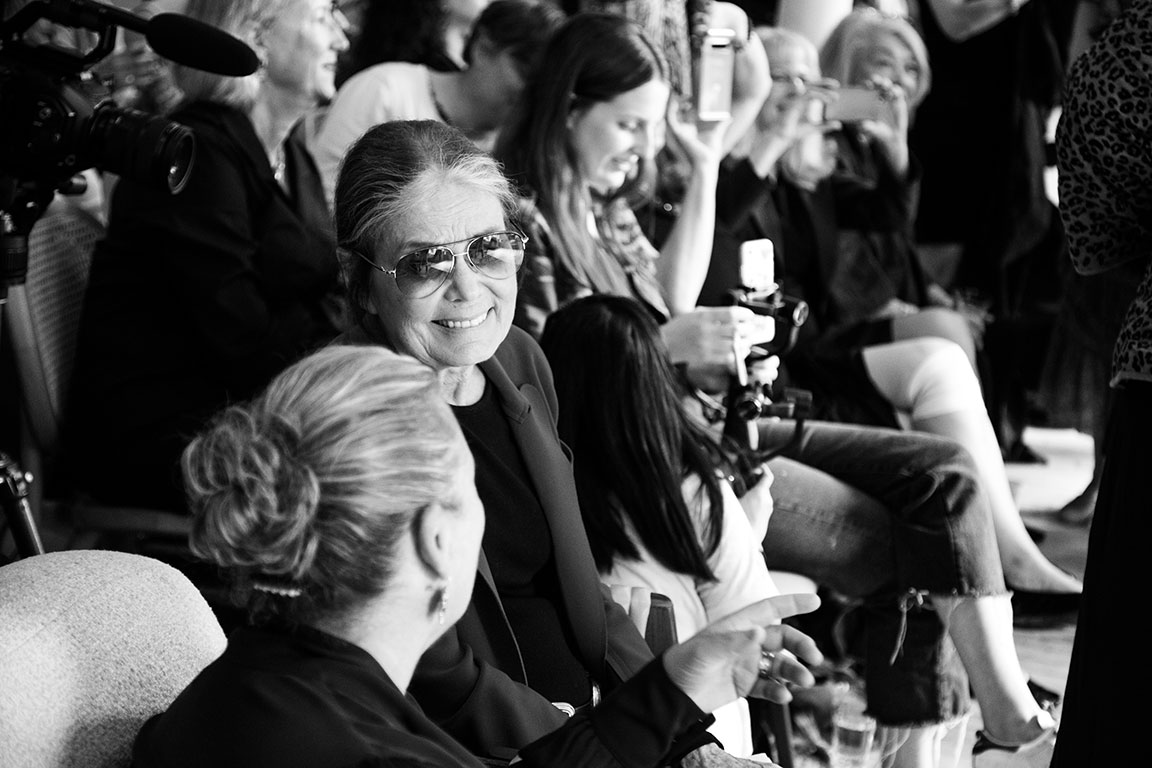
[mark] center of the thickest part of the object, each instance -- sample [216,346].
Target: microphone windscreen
[198,45]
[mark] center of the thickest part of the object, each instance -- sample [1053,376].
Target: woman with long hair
[658,507]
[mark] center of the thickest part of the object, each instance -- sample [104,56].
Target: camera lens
[749,404]
[142,147]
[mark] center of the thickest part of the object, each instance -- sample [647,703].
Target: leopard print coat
[1104,157]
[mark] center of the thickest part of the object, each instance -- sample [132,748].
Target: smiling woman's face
[463,321]
[610,138]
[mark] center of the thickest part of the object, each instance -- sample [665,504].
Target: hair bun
[254,495]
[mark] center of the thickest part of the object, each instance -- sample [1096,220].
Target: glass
[853,733]
[497,255]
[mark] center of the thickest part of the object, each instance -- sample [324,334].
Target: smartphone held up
[855,104]
[715,72]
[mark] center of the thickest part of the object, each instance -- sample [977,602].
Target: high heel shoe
[1037,753]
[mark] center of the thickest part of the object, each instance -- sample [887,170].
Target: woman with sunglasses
[423,218]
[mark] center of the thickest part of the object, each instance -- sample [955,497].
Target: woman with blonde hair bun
[342,501]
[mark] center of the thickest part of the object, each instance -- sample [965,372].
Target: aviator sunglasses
[497,255]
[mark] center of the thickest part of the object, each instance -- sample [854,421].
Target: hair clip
[276,589]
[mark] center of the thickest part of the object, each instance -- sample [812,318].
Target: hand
[891,132]
[785,120]
[894,308]
[721,663]
[708,339]
[699,143]
[757,504]
[766,371]
[636,602]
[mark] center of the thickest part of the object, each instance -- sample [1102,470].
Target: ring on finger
[767,662]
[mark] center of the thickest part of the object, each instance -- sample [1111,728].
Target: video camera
[57,118]
[746,400]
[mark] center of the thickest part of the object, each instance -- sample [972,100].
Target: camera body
[715,73]
[57,119]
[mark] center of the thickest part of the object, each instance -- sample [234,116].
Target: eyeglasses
[418,274]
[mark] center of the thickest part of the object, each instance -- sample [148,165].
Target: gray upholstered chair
[92,643]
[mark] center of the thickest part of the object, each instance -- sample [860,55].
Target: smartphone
[854,104]
[757,267]
[716,68]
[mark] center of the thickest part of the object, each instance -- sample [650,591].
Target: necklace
[279,164]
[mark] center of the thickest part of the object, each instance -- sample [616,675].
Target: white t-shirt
[390,91]
[742,579]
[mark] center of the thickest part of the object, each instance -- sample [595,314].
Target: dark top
[472,681]
[803,227]
[194,301]
[305,699]
[519,548]
[980,134]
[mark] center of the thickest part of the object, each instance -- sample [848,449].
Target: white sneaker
[1033,754]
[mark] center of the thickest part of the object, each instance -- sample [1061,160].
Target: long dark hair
[634,444]
[592,58]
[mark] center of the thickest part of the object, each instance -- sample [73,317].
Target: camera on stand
[748,400]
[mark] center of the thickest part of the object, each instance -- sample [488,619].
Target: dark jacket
[306,699]
[473,681]
[194,301]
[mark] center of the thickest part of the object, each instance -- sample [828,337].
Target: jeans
[890,517]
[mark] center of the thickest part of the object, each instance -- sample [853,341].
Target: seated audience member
[870,380]
[501,51]
[574,152]
[424,218]
[660,513]
[343,502]
[197,299]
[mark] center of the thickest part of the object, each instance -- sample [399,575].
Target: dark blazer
[194,301]
[305,699]
[473,680]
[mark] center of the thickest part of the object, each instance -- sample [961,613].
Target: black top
[518,544]
[195,301]
[306,699]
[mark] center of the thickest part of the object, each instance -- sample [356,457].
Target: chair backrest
[92,643]
[43,314]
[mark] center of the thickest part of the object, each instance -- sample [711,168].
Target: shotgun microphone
[198,45]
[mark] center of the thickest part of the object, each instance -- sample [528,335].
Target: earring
[442,610]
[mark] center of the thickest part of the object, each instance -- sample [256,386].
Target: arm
[962,19]
[683,262]
[741,576]
[638,724]
[751,79]
[481,706]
